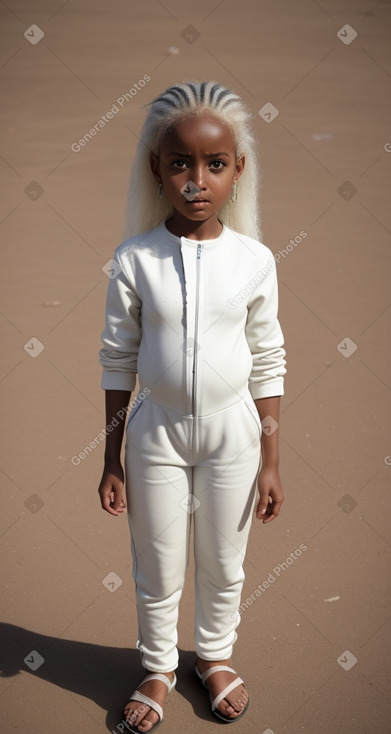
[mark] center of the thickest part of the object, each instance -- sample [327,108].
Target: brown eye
[217,165]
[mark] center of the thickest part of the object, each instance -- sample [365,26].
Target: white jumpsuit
[197,321]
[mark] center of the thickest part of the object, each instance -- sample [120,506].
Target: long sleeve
[122,333]
[265,338]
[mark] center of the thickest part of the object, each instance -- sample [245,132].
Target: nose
[198,175]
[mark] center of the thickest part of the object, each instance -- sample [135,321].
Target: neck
[209,229]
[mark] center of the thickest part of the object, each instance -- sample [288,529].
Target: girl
[192,310]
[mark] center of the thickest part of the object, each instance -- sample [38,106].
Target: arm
[111,489]
[266,384]
[269,484]
[122,333]
[118,358]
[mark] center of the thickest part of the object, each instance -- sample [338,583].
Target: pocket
[252,409]
[133,413]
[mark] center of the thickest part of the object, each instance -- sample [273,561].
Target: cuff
[267,389]
[118,380]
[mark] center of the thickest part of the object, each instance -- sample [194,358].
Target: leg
[159,529]
[225,485]
[160,532]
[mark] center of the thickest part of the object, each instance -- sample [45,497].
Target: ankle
[170,674]
[204,665]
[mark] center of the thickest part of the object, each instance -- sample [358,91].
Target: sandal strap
[225,692]
[141,698]
[164,678]
[137,696]
[214,669]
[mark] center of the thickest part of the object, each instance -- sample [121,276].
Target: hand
[111,490]
[271,495]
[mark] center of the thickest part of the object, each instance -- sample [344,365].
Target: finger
[118,503]
[273,513]
[262,508]
[106,506]
[106,502]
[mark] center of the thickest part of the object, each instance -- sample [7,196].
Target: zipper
[195,346]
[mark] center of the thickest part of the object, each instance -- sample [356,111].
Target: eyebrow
[208,155]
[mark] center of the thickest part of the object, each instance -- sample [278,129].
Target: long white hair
[144,209]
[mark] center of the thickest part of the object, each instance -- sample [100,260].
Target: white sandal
[204,677]
[140,697]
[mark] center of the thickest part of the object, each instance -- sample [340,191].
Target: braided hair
[144,210]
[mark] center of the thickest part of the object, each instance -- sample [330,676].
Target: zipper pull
[198,252]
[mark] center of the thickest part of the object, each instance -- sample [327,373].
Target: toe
[145,725]
[130,712]
[135,713]
[226,708]
[233,708]
[230,711]
[148,721]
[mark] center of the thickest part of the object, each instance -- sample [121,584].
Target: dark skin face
[200,150]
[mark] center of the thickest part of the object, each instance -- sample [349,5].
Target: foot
[236,701]
[139,714]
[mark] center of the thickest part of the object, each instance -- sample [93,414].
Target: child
[192,310]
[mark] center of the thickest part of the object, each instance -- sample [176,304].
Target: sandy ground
[313,647]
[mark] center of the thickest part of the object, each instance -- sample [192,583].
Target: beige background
[326,162]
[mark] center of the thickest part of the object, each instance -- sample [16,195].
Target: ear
[239,168]
[155,167]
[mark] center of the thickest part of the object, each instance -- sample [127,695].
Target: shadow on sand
[106,675]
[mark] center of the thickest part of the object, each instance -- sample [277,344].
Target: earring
[160,191]
[234,193]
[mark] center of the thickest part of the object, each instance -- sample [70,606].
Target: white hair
[144,209]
